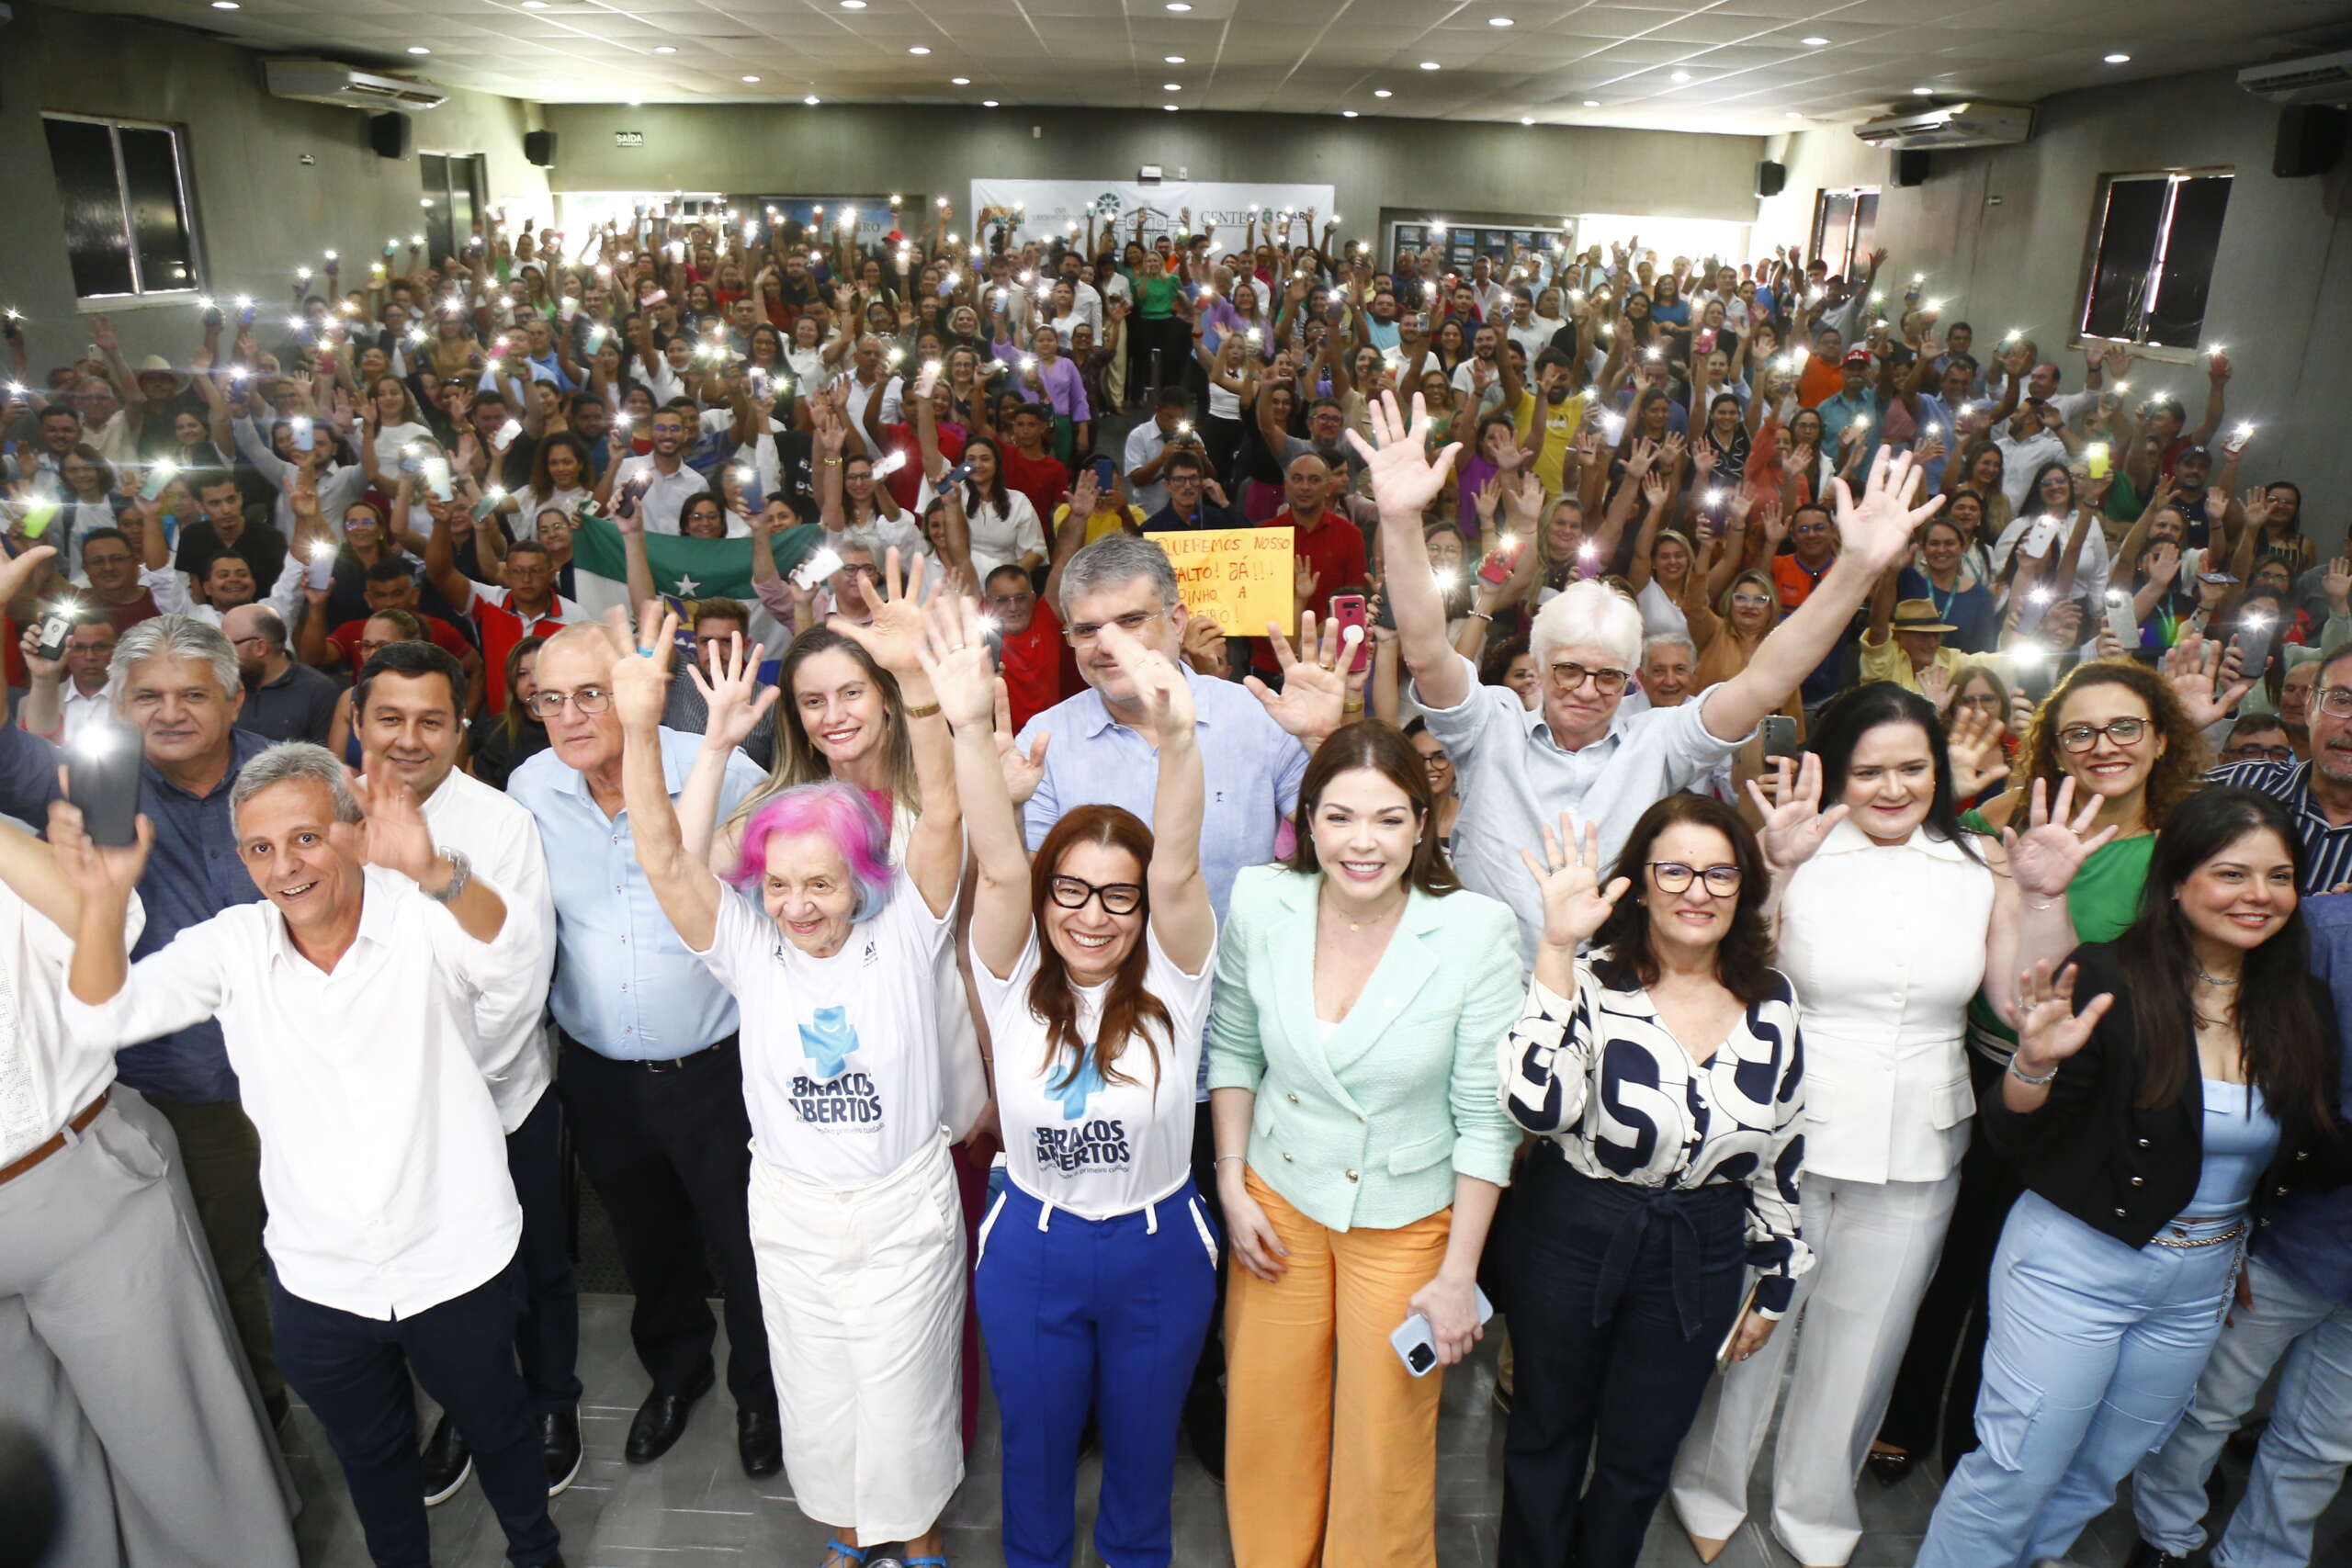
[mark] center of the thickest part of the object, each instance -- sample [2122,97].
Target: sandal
[926,1562]
[855,1555]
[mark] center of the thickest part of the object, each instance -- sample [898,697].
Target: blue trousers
[353,1372]
[2094,1350]
[1093,1315]
[2304,1450]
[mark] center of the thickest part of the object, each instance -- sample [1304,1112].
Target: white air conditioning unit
[1953,124]
[2314,79]
[326,82]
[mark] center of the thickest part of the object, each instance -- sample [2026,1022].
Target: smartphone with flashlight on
[305,433]
[102,781]
[436,480]
[2252,641]
[1348,609]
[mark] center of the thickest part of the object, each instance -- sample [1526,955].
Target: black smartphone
[55,627]
[102,781]
[1103,470]
[1780,733]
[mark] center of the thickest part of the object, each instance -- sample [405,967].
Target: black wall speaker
[538,147]
[1911,168]
[2311,139]
[1770,178]
[392,135]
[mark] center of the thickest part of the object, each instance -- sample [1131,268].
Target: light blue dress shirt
[1250,766]
[626,985]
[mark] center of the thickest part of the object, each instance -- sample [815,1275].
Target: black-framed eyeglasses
[2122,731]
[1118,897]
[1133,623]
[1568,675]
[1673,876]
[2250,752]
[588,700]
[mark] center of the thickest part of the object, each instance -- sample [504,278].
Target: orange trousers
[1318,1408]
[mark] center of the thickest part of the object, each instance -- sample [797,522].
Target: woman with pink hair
[834,957]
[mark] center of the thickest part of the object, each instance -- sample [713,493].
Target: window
[2154,264]
[456,193]
[1845,223]
[128,229]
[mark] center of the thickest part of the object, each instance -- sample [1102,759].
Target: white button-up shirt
[383,1161]
[1516,780]
[76,711]
[45,1075]
[502,839]
[666,495]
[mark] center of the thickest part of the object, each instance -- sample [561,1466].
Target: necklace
[2215,980]
[1380,919]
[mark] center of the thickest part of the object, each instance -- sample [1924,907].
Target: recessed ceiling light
[418,49]
[961,81]
[535,5]
[1682,77]
[751,78]
[1498,21]
[811,100]
[1923,92]
[664,48]
[1381,93]
[224,5]
[636,103]
[1169,107]
[1171,86]
[2119,60]
[1347,114]
[1428,64]
[1592,103]
[988,103]
[1178,5]
[853,5]
[1171,60]
[1813,42]
[919,49]
[1527,119]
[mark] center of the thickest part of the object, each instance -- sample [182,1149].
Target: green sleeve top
[2102,901]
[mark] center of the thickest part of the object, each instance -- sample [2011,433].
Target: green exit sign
[628,139]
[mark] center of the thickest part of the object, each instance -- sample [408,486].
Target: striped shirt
[1601,1075]
[2327,848]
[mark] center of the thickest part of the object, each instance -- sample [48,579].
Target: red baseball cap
[1856,356]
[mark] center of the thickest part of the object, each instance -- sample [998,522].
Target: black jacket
[2125,1170]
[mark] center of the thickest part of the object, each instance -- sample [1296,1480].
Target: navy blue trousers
[1104,1315]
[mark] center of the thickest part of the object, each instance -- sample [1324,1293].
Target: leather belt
[87,1115]
[667,1064]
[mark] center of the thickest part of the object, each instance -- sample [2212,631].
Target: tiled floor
[694,1508]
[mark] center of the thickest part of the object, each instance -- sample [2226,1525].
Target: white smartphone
[2120,621]
[820,566]
[1415,1341]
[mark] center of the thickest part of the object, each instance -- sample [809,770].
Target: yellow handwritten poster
[1239,578]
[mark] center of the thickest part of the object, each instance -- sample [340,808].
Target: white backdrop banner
[1054,204]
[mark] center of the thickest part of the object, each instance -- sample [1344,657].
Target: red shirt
[448,638]
[1333,549]
[1039,668]
[906,485]
[501,628]
[1043,480]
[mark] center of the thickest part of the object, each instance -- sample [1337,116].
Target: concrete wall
[2005,234]
[1465,171]
[260,210]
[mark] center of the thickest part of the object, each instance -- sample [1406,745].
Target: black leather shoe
[560,1448]
[2146,1556]
[447,1461]
[1889,1469]
[1205,1429]
[662,1419]
[760,1442]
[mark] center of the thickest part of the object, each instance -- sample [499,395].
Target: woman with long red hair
[1097,1266]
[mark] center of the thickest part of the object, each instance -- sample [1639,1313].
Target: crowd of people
[1775,844]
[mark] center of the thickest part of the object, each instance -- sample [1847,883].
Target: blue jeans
[2303,1453]
[2094,1351]
[1093,1315]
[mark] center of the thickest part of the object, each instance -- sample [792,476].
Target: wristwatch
[461,872]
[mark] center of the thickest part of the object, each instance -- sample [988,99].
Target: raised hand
[1021,772]
[1405,478]
[640,676]
[1575,903]
[2044,859]
[1878,528]
[897,629]
[1973,742]
[2048,1029]
[1204,645]
[393,833]
[96,870]
[1314,696]
[1796,825]
[732,692]
[2336,581]
[1166,696]
[2205,681]
[954,654]
[21,569]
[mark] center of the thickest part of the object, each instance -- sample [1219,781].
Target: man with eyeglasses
[2257,738]
[66,694]
[1813,540]
[650,1081]
[1579,751]
[661,478]
[1104,751]
[285,700]
[1194,498]
[2318,792]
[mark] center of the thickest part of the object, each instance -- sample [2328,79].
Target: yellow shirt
[1102,521]
[1562,424]
[1885,660]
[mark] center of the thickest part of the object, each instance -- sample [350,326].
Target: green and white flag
[686,570]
